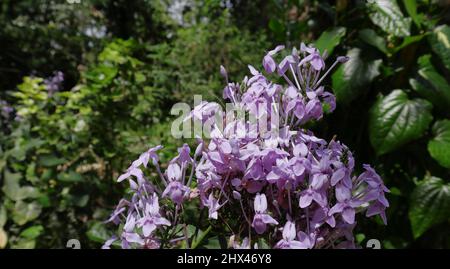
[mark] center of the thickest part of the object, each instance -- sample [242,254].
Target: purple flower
[309,195]
[346,206]
[132,171]
[268,62]
[289,236]
[176,191]
[213,205]
[184,156]
[244,245]
[108,243]
[152,218]
[146,156]
[307,179]
[261,219]
[284,64]
[377,208]
[129,236]
[54,83]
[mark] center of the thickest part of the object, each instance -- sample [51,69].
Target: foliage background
[126,62]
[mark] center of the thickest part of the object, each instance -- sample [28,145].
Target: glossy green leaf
[387,15]
[430,205]
[431,85]
[370,37]
[440,43]
[395,120]
[328,40]
[351,78]
[439,145]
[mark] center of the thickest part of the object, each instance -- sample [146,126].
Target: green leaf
[97,232]
[408,41]
[328,40]
[395,120]
[370,37]
[71,176]
[25,212]
[351,78]
[439,146]
[32,232]
[51,160]
[411,8]
[387,15]
[431,85]
[79,200]
[102,75]
[262,244]
[277,27]
[212,243]
[3,216]
[31,174]
[13,191]
[23,243]
[11,185]
[440,43]
[430,205]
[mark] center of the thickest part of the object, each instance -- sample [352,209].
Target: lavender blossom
[290,176]
[54,83]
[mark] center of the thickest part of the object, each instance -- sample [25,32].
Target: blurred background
[86,85]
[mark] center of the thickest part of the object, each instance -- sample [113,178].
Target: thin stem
[288,80]
[307,220]
[299,73]
[243,211]
[161,174]
[290,202]
[326,73]
[295,78]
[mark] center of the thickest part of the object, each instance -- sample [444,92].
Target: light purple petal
[289,232]
[305,200]
[348,214]
[269,64]
[260,203]
[267,219]
[337,176]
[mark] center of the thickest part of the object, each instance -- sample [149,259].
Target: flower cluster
[282,184]
[54,83]
[5,109]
